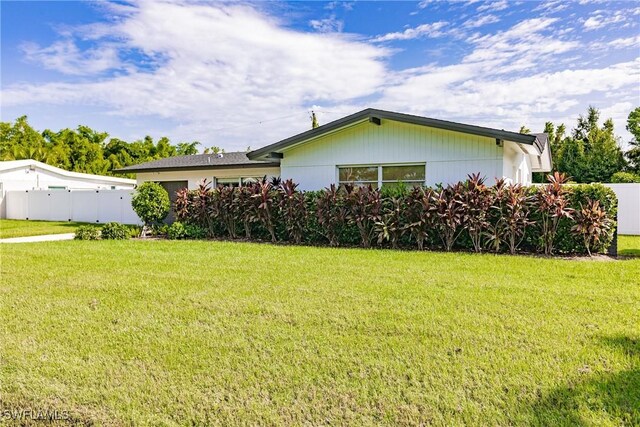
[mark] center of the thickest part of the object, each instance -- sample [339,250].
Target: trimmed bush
[467,216]
[151,203]
[625,178]
[115,231]
[87,232]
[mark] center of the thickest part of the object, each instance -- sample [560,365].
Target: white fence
[97,206]
[628,207]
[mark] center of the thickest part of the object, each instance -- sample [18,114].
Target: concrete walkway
[45,238]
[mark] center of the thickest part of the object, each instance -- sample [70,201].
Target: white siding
[449,156]
[516,165]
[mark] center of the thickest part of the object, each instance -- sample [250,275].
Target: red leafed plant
[266,200]
[553,205]
[363,209]
[225,207]
[391,226]
[449,208]
[420,214]
[293,210]
[591,223]
[476,198]
[331,213]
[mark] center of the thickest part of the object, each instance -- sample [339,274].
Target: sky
[247,74]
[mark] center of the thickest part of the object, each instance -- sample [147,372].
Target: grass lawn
[19,228]
[180,333]
[629,245]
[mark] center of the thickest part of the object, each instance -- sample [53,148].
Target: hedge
[554,218]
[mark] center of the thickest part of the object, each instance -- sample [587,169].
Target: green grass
[182,333]
[629,246]
[21,228]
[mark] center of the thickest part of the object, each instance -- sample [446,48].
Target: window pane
[231,182]
[403,173]
[364,173]
[250,180]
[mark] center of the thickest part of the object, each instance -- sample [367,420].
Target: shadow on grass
[615,397]
[629,252]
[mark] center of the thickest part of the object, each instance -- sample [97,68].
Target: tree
[187,148]
[633,126]
[151,203]
[524,129]
[591,153]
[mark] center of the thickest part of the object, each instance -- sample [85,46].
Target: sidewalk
[45,238]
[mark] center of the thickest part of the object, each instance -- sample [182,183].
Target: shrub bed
[551,218]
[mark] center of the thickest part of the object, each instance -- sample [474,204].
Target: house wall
[449,156]
[27,178]
[516,165]
[194,177]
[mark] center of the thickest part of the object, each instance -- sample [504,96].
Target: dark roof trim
[258,165]
[371,113]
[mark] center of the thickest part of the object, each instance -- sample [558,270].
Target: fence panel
[94,206]
[628,207]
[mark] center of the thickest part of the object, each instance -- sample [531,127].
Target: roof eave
[388,115]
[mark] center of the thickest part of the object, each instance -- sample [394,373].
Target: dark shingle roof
[377,115]
[200,161]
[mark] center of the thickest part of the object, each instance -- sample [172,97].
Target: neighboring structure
[369,147]
[21,175]
[628,207]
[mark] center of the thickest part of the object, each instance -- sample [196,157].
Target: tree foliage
[83,149]
[151,203]
[591,153]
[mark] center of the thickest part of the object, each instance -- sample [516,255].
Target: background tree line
[84,149]
[590,153]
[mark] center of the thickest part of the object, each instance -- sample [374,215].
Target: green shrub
[87,232]
[115,231]
[151,203]
[625,178]
[178,230]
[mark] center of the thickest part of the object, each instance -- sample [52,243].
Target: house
[369,147]
[21,175]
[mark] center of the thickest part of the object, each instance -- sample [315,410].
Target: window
[382,175]
[360,175]
[237,182]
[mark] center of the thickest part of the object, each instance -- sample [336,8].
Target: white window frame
[380,166]
[238,179]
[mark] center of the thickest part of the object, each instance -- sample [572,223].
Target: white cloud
[327,25]
[493,6]
[220,66]
[217,68]
[425,30]
[65,57]
[602,19]
[480,21]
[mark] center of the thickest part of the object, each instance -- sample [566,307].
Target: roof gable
[376,116]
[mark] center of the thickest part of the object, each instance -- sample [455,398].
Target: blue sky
[247,74]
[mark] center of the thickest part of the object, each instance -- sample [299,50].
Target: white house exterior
[369,147]
[22,175]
